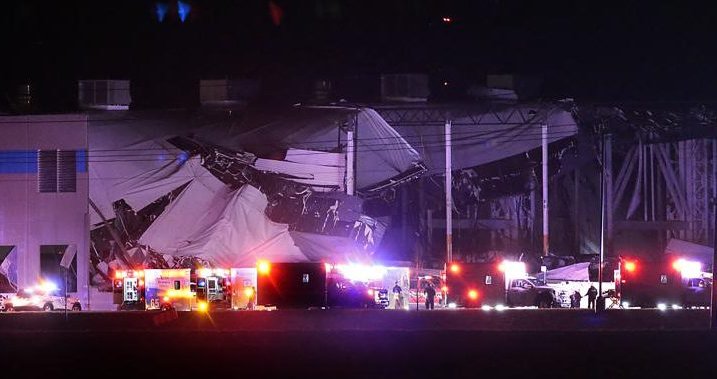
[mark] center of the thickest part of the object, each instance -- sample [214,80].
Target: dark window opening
[50,269]
[8,269]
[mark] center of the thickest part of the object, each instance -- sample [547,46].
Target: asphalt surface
[359,343]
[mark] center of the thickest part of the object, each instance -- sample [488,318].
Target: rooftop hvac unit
[404,87]
[104,94]
[224,91]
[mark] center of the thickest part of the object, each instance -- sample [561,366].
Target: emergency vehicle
[128,289]
[169,289]
[243,288]
[473,285]
[671,281]
[212,287]
[495,285]
[291,285]
[44,296]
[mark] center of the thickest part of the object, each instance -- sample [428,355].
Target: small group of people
[591,295]
[429,291]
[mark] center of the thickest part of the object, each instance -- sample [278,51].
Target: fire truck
[495,285]
[671,281]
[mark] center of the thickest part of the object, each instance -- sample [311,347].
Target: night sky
[588,50]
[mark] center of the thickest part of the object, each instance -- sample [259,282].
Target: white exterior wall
[28,218]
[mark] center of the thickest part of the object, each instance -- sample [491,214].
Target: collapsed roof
[222,213]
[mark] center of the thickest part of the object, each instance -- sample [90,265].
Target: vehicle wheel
[47,307]
[544,302]
[76,307]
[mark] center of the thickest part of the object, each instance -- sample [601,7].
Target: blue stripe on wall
[81,160]
[25,161]
[18,161]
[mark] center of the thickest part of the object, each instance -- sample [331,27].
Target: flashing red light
[141,283]
[473,294]
[455,268]
[119,275]
[630,266]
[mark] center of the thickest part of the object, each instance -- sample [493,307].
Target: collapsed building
[305,183]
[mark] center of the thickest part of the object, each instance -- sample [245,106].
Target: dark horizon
[595,51]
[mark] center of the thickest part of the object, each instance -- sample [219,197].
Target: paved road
[335,344]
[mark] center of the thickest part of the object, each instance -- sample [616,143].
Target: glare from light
[120,274]
[205,272]
[452,305]
[626,304]
[447,20]
[248,291]
[444,289]
[369,292]
[675,306]
[203,306]
[688,269]
[513,270]
[486,308]
[473,294]
[662,306]
[500,307]
[166,299]
[361,273]
[161,11]
[455,268]
[630,266]
[47,286]
[264,267]
[183,10]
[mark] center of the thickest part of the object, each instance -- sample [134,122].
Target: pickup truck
[526,292]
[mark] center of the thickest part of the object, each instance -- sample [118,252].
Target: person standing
[430,296]
[592,295]
[575,299]
[398,303]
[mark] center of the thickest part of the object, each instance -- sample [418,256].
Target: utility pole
[605,145]
[350,169]
[546,221]
[449,195]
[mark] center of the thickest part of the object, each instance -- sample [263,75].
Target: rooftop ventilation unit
[404,87]
[226,92]
[108,95]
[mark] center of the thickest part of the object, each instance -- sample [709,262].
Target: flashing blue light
[161,10]
[183,9]
[182,157]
